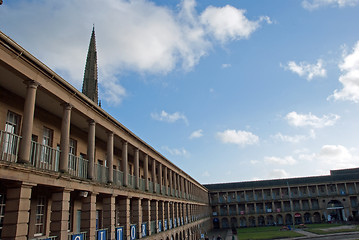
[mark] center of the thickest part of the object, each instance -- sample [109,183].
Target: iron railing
[77,166]
[9,146]
[44,157]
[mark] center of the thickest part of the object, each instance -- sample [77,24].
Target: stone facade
[286,201]
[68,168]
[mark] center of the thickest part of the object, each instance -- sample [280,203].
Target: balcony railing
[44,157]
[117,177]
[9,146]
[77,166]
[101,173]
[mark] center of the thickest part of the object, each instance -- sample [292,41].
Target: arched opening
[298,218]
[252,222]
[307,218]
[242,222]
[288,219]
[216,223]
[279,219]
[225,223]
[261,221]
[234,223]
[335,211]
[316,217]
[270,220]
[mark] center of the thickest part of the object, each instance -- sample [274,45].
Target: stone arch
[252,221]
[335,210]
[316,217]
[225,223]
[270,220]
[279,219]
[242,222]
[261,221]
[234,223]
[288,219]
[307,218]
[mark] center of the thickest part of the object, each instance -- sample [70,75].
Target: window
[98,219]
[2,210]
[11,131]
[72,154]
[40,216]
[72,146]
[46,145]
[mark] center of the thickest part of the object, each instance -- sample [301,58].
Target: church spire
[90,85]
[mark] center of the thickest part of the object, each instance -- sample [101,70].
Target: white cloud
[196,134]
[314,4]
[350,77]
[226,65]
[229,23]
[333,157]
[132,35]
[167,117]
[287,160]
[278,173]
[176,151]
[295,138]
[304,120]
[309,71]
[206,174]
[239,137]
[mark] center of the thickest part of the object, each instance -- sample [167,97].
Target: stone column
[109,215]
[175,183]
[146,172]
[17,212]
[146,214]
[124,212]
[125,163]
[137,168]
[161,213]
[136,214]
[88,216]
[60,214]
[171,182]
[154,175]
[160,177]
[27,122]
[65,137]
[91,149]
[179,185]
[154,213]
[110,156]
[166,180]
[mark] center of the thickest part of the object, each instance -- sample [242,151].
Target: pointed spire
[90,85]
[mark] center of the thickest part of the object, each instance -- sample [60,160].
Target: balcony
[44,157]
[9,146]
[77,166]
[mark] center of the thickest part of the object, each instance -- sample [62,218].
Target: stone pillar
[175,183]
[65,137]
[154,175]
[124,212]
[27,122]
[166,180]
[109,215]
[146,214]
[171,182]
[154,213]
[16,219]
[160,177]
[146,172]
[110,156]
[137,168]
[136,214]
[125,163]
[179,185]
[88,216]
[161,213]
[60,214]
[91,149]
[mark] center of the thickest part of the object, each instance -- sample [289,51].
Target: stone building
[286,201]
[69,170]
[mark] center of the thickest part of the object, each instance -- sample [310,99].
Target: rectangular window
[40,216]
[72,146]
[98,219]
[46,150]
[12,127]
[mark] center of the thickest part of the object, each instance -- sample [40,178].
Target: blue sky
[226,90]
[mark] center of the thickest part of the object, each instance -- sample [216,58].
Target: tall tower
[90,85]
